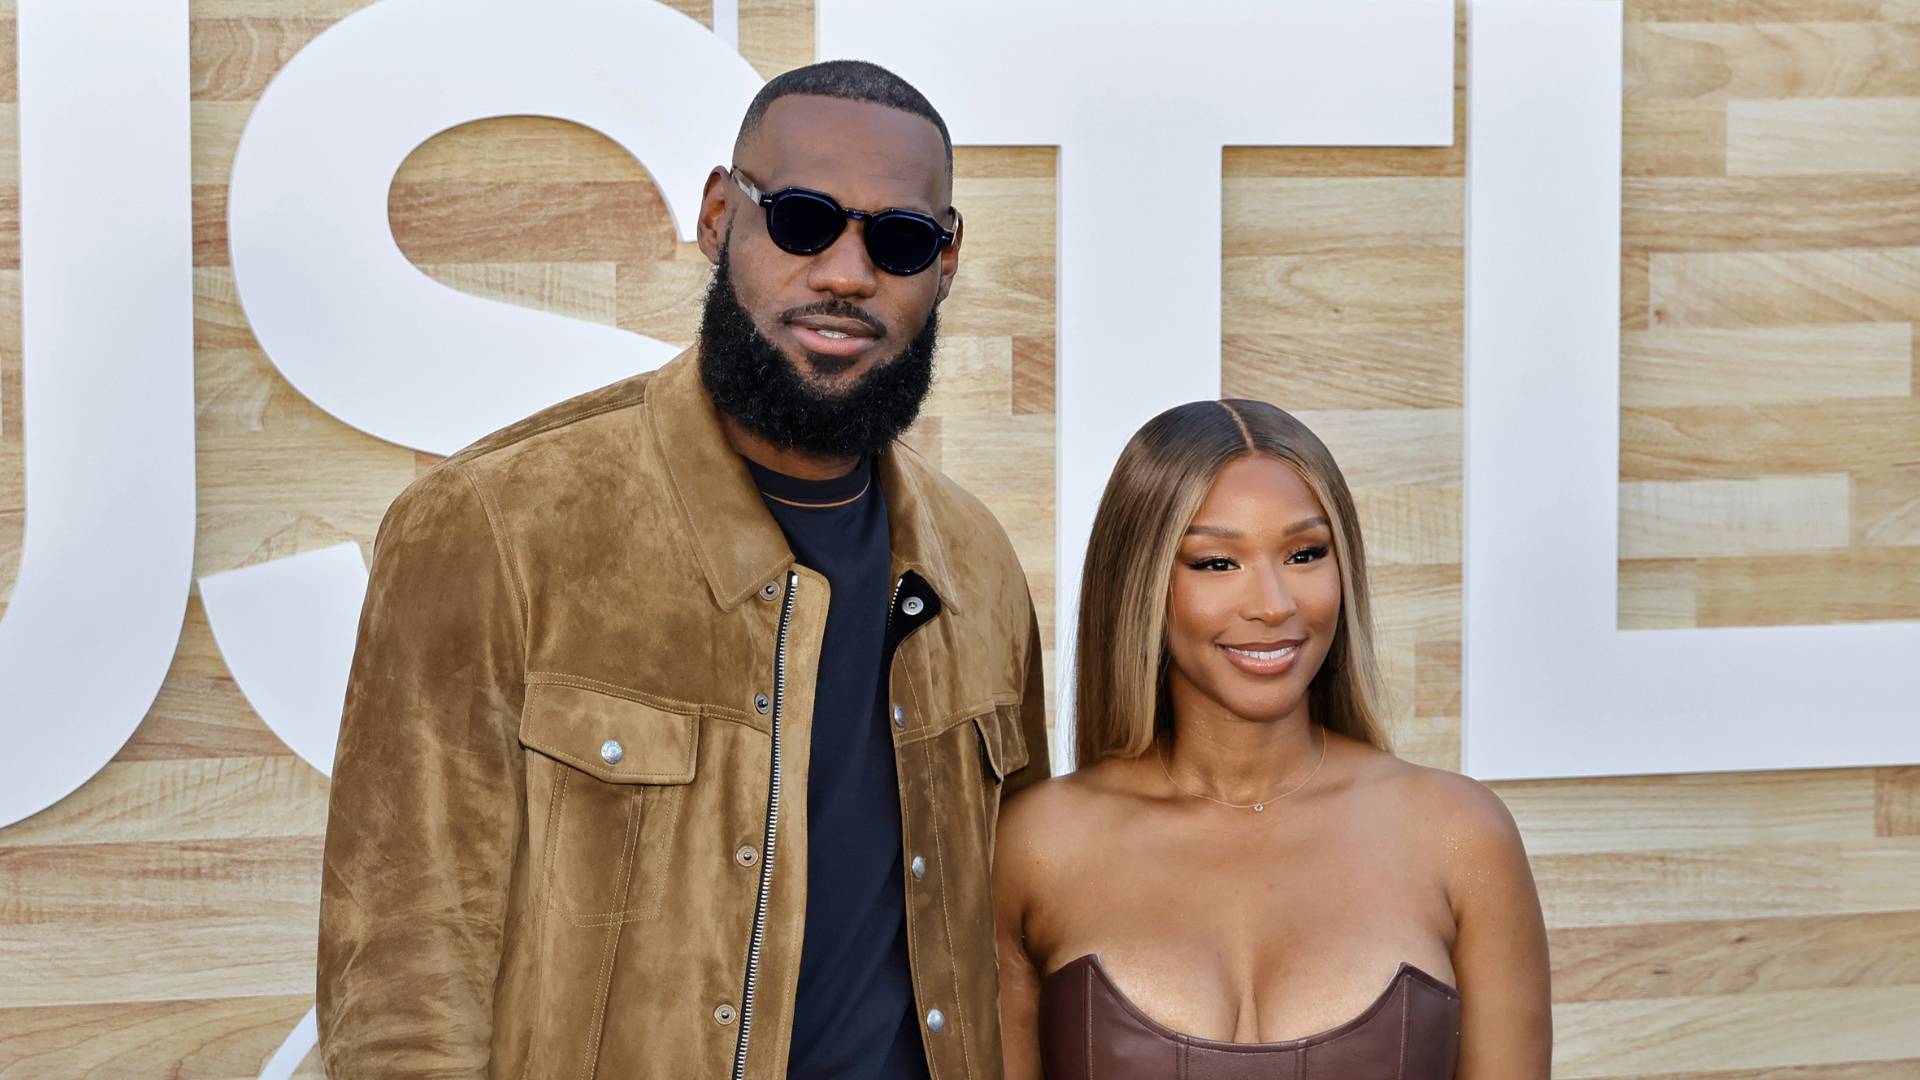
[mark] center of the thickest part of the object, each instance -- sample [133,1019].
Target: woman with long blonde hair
[1239,865]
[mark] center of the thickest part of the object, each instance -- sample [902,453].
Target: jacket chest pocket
[1002,743]
[605,783]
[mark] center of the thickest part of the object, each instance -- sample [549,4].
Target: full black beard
[751,380]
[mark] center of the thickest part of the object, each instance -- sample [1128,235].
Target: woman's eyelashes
[1308,554]
[1223,563]
[1213,562]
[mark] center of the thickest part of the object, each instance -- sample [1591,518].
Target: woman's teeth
[1273,654]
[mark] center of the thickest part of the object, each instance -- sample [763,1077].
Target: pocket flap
[1005,743]
[585,728]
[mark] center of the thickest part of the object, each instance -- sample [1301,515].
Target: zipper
[886,635]
[772,835]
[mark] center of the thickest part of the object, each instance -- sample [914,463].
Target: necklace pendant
[1259,808]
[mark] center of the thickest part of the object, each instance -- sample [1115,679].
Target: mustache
[837,309]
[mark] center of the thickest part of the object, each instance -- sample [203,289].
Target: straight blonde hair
[1164,474]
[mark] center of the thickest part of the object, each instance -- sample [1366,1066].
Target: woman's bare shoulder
[1047,823]
[1462,821]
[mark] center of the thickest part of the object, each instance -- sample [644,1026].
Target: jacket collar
[740,546]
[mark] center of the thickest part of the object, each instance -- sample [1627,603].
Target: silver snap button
[919,867]
[760,703]
[899,716]
[912,605]
[723,1015]
[769,591]
[611,752]
[936,1020]
[746,856]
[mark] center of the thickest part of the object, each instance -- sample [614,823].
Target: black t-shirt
[855,1017]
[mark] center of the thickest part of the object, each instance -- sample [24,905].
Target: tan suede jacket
[568,831]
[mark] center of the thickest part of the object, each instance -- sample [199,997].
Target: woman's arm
[1013,865]
[1500,948]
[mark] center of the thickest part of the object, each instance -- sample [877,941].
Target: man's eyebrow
[1234,534]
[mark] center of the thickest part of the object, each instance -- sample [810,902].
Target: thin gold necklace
[1257,807]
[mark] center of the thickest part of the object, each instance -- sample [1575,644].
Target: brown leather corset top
[1089,1030]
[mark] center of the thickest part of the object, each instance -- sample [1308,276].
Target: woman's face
[1254,598]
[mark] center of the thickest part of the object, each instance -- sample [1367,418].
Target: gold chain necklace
[1257,807]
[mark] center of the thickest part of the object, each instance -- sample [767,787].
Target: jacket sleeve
[428,796]
[1033,714]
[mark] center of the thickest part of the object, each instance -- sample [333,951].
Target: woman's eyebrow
[1234,534]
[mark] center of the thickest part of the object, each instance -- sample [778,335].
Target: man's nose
[844,270]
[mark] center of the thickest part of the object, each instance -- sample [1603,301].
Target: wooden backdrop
[160,922]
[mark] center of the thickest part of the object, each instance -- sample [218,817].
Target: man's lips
[831,335]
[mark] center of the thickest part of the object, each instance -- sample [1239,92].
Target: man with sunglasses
[682,711]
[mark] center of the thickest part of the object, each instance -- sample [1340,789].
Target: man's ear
[950,256]
[713,213]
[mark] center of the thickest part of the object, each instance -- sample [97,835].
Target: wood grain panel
[1374,288]
[1319,216]
[1787,288]
[1401,367]
[1846,1070]
[1657,594]
[1856,585]
[1767,11]
[1000,295]
[216,130]
[776,35]
[233,59]
[1617,888]
[1423,740]
[209,1039]
[1419,603]
[1672,138]
[1665,519]
[167,801]
[1756,1029]
[662,298]
[267,495]
[207,918]
[1694,366]
[1390,446]
[1736,441]
[521,150]
[1823,136]
[974,377]
[1410,523]
[578,290]
[1714,810]
[1685,213]
[608,221]
[1008,462]
[1896,801]
[1733,956]
[1033,359]
[1772,60]
[1886,506]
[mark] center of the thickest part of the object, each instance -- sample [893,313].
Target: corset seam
[1089,1000]
[1406,1000]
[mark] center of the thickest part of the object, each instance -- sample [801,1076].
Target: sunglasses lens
[902,244]
[803,224]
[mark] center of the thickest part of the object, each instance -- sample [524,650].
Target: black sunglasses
[804,222]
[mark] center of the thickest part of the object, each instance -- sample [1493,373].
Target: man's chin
[830,376]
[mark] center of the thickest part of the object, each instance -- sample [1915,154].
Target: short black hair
[850,80]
